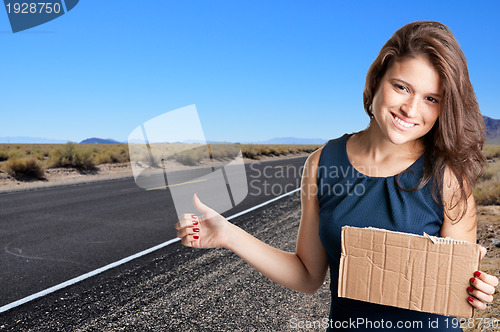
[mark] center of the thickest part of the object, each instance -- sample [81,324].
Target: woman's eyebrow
[433,94]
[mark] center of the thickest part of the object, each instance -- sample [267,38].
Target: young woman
[412,170]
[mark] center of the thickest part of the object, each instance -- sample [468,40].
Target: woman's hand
[482,287]
[205,231]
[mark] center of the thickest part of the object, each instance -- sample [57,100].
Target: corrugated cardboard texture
[407,271]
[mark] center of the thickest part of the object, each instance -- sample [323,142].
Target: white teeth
[404,124]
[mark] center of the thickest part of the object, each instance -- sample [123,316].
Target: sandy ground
[213,291]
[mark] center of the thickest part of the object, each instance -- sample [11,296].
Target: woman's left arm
[482,284]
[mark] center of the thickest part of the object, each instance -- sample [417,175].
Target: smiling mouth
[403,123]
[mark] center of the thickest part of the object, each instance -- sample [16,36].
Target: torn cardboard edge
[422,273]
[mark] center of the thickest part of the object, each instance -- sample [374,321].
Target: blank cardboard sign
[423,273]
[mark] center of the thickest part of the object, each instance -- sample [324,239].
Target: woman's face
[408,100]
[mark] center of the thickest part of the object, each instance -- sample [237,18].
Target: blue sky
[254,69]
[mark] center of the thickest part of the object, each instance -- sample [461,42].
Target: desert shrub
[251,152]
[254,151]
[224,151]
[39,156]
[191,157]
[112,156]
[15,154]
[104,158]
[32,151]
[265,151]
[83,159]
[487,192]
[36,149]
[309,148]
[29,167]
[492,172]
[491,151]
[281,151]
[124,155]
[4,155]
[71,156]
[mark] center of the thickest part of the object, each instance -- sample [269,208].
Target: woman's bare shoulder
[313,159]
[310,170]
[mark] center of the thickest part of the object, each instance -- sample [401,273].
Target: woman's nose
[410,107]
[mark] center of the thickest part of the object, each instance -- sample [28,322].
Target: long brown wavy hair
[456,139]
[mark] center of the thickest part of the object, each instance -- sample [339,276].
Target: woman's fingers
[188,229]
[189,240]
[187,220]
[476,303]
[482,286]
[481,296]
[487,278]
[188,216]
[188,234]
[183,232]
[482,289]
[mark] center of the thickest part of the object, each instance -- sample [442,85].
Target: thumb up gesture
[207,230]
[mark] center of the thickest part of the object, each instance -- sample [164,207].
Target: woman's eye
[400,87]
[432,100]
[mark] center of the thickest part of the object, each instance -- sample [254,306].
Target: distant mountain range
[492,137]
[492,130]
[95,140]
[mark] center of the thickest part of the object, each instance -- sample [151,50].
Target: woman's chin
[399,138]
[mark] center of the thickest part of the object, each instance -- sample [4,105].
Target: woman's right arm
[303,271]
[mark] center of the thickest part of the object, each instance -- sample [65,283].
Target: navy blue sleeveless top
[348,197]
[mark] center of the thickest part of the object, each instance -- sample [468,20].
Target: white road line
[177,184]
[262,204]
[121,261]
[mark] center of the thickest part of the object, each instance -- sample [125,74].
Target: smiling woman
[422,153]
[442,81]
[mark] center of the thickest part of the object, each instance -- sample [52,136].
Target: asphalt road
[51,235]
